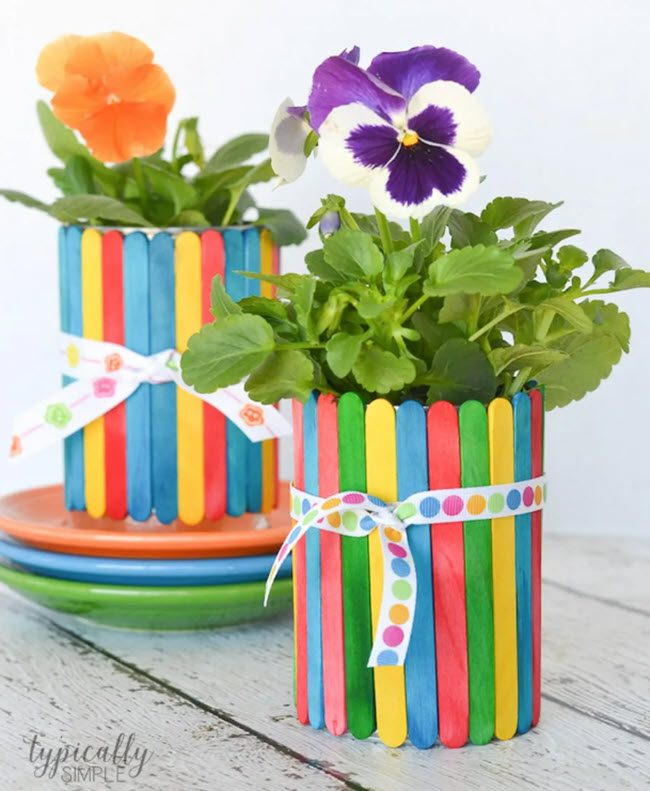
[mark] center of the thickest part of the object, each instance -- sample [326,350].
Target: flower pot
[163,451]
[472,668]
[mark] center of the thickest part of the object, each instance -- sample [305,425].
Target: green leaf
[379,371]
[284,226]
[221,303]
[223,353]
[473,270]
[434,225]
[630,278]
[26,200]
[605,260]
[192,140]
[521,355]
[342,351]
[190,218]
[303,303]
[519,213]
[283,374]
[287,284]
[90,208]
[459,372]
[551,238]
[399,262]
[352,255]
[456,307]
[590,358]
[570,311]
[235,151]
[371,305]
[368,224]
[571,257]
[316,264]
[468,230]
[78,176]
[169,186]
[61,139]
[270,309]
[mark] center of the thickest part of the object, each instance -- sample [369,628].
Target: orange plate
[38,517]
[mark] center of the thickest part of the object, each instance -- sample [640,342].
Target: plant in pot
[141,240]
[420,361]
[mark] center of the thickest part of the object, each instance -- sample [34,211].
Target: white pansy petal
[473,128]
[354,142]
[406,189]
[287,143]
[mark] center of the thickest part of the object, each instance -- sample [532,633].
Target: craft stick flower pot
[472,669]
[163,451]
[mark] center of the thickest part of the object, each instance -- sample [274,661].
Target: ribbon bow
[108,373]
[357,514]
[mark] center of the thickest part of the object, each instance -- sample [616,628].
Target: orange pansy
[107,88]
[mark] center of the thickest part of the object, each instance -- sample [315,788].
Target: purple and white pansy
[407,127]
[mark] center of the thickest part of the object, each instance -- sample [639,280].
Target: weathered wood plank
[55,686]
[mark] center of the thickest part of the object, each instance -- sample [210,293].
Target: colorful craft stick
[537,467]
[269,447]
[420,666]
[252,263]
[381,477]
[72,322]
[300,580]
[475,471]
[359,687]
[138,407]
[500,430]
[448,579]
[162,310]
[214,422]
[313,563]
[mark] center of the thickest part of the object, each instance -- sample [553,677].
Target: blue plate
[127,571]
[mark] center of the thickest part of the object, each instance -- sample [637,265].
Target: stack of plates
[142,575]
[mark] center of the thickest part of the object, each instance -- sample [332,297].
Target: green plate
[158,608]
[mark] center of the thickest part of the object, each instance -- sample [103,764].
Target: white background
[566,86]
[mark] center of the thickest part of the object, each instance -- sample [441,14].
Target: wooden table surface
[214,710]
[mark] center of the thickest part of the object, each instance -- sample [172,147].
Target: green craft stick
[359,690]
[475,471]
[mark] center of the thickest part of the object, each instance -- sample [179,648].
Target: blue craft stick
[420,664]
[523,561]
[72,322]
[138,405]
[253,449]
[236,452]
[315,699]
[164,464]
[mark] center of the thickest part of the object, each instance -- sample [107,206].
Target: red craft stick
[115,420]
[300,580]
[214,422]
[537,448]
[331,573]
[448,557]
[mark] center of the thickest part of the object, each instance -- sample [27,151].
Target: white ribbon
[357,514]
[107,374]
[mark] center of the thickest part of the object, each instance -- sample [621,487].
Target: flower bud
[329,223]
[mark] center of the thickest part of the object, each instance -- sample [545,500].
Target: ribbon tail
[297,532]
[399,592]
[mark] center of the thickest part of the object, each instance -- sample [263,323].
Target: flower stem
[503,315]
[348,219]
[138,174]
[281,347]
[415,306]
[416,230]
[384,231]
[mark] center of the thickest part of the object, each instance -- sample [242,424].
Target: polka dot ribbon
[108,373]
[357,514]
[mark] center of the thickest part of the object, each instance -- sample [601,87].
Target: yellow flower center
[410,139]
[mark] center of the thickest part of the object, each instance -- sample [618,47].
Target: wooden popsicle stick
[448,556]
[276,444]
[523,559]
[252,263]
[299,580]
[381,476]
[164,449]
[312,539]
[137,336]
[189,408]
[537,468]
[214,422]
[331,583]
[269,466]
[72,322]
[115,420]
[500,431]
[420,665]
[359,686]
[233,241]
[475,471]
[93,329]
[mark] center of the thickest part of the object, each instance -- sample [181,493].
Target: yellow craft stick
[503,573]
[189,408]
[93,328]
[381,479]
[268,445]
